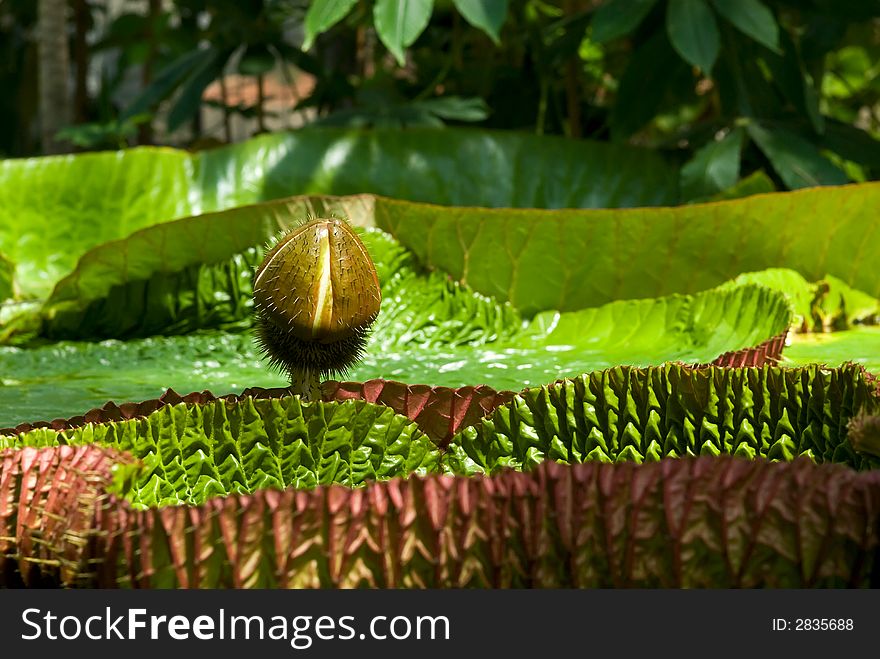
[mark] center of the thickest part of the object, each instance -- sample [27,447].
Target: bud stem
[304,382]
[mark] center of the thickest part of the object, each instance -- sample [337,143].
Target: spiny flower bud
[316,295]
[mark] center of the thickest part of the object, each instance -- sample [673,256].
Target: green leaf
[257,60]
[714,167]
[400,22]
[486,15]
[168,80]
[655,74]
[521,258]
[791,77]
[671,411]
[693,32]
[860,345]
[839,306]
[798,163]
[428,327]
[193,452]
[853,144]
[823,306]
[429,331]
[531,258]
[322,15]
[7,270]
[752,18]
[155,281]
[755,183]
[455,108]
[617,18]
[52,210]
[189,101]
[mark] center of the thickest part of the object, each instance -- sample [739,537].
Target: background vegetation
[782,93]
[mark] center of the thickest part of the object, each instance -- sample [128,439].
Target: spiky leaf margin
[697,522]
[193,452]
[644,415]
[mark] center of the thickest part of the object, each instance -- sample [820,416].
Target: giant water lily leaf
[68,378]
[54,209]
[182,275]
[58,491]
[536,259]
[672,411]
[860,345]
[440,412]
[430,331]
[193,452]
[571,259]
[103,298]
[7,271]
[698,522]
[829,304]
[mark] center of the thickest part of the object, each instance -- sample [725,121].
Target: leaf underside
[696,522]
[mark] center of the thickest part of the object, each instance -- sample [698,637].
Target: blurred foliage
[728,88]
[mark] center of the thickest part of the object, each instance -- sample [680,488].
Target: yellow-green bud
[316,295]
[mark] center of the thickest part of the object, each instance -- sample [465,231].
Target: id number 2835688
[812,624]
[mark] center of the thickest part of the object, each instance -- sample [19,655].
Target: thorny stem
[305,383]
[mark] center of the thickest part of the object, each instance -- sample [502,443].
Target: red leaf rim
[687,522]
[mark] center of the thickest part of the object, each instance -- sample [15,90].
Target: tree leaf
[655,74]
[714,167]
[798,163]
[455,108]
[752,18]
[486,15]
[853,144]
[693,32]
[791,77]
[189,101]
[400,22]
[755,183]
[322,15]
[168,80]
[617,18]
